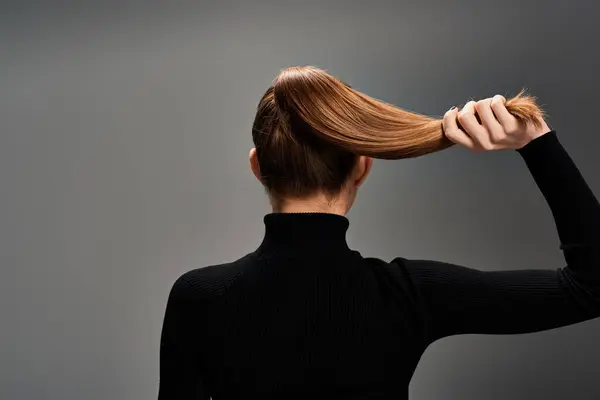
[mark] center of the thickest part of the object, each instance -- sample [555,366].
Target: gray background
[125,130]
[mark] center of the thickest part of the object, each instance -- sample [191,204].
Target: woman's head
[315,137]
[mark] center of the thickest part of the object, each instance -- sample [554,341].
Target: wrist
[538,143]
[537,132]
[535,136]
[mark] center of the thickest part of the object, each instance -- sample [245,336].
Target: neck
[304,233]
[315,204]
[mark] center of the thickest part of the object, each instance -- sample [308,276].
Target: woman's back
[303,317]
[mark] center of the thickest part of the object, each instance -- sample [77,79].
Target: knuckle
[497,101]
[512,129]
[487,146]
[482,103]
[452,134]
[464,114]
[497,136]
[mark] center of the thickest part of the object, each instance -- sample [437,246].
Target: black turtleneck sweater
[304,316]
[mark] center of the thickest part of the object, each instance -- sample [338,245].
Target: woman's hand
[498,129]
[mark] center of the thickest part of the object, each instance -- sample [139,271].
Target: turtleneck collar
[304,232]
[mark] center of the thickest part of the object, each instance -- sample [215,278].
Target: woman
[304,316]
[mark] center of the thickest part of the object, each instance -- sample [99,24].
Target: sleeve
[180,374]
[458,300]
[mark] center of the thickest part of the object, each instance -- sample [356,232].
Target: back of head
[295,160]
[310,128]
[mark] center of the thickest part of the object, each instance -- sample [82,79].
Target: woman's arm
[457,300]
[180,376]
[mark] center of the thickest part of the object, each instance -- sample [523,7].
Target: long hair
[310,128]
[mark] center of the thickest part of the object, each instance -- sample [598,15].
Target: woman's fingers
[495,131]
[487,125]
[505,118]
[453,132]
[472,127]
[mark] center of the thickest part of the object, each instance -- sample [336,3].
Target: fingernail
[452,108]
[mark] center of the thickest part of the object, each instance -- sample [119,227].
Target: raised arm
[458,300]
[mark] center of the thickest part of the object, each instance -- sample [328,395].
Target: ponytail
[363,125]
[310,128]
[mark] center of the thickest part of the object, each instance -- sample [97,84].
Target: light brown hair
[310,128]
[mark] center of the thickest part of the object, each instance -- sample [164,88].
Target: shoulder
[397,266]
[413,272]
[209,281]
[395,272]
